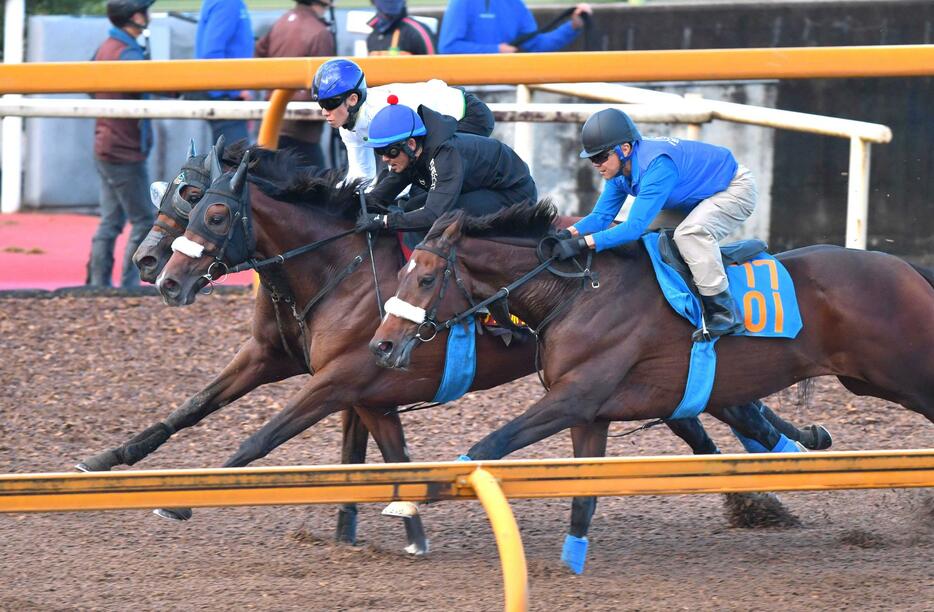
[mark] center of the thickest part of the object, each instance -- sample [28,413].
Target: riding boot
[721,315]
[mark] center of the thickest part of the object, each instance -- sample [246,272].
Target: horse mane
[281,175]
[517,221]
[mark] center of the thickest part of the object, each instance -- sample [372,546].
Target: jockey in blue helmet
[340,89]
[454,170]
[702,180]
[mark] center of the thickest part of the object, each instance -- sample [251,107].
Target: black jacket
[450,164]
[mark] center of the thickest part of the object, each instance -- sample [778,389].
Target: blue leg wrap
[751,445]
[464,458]
[786,446]
[574,553]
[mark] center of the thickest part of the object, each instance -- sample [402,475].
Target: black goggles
[391,151]
[330,104]
[600,157]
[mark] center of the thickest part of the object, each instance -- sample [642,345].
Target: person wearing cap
[300,32]
[705,181]
[339,87]
[121,147]
[497,26]
[476,173]
[395,33]
[225,31]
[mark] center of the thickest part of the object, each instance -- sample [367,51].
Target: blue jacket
[479,26]
[666,173]
[224,31]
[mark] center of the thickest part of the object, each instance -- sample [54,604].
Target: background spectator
[121,147]
[493,26]
[395,33]
[301,32]
[225,31]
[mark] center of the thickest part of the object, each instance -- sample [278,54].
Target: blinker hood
[229,190]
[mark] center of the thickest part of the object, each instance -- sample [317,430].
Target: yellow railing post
[508,540]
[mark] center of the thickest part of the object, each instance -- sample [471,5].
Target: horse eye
[216,220]
[426,281]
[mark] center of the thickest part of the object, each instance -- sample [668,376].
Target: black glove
[563,234]
[567,249]
[370,223]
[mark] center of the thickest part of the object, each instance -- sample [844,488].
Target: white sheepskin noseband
[187,247]
[404,310]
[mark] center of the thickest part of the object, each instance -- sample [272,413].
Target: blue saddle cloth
[766,296]
[460,362]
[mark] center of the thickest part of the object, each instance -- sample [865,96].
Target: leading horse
[619,352]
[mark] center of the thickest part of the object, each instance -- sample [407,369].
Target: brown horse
[619,352]
[314,213]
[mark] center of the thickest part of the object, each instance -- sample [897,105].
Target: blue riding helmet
[394,123]
[339,77]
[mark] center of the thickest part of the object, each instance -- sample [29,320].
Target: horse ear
[236,183]
[453,231]
[191,148]
[219,145]
[212,163]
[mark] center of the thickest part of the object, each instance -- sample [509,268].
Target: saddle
[732,254]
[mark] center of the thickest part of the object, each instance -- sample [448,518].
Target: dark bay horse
[308,210]
[620,352]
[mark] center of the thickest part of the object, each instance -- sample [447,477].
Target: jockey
[340,89]
[701,179]
[476,173]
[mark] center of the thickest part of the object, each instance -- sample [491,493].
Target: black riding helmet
[121,11]
[607,129]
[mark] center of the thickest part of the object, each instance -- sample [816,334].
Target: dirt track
[83,374]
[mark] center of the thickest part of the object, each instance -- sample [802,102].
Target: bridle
[426,318]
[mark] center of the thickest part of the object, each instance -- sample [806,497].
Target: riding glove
[563,234]
[568,248]
[371,223]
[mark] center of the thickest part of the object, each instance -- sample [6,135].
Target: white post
[12,183]
[857,202]
[693,130]
[524,144]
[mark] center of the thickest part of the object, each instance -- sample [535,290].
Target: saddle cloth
[761,286]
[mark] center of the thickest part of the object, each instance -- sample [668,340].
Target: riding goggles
[600,157]
[331,103]
[391,151]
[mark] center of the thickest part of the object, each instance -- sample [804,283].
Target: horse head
[411,314]
[219,236]
[174,201]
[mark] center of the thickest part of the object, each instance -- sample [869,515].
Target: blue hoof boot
[749,444]
[785,445]
[574,553]
[464,458]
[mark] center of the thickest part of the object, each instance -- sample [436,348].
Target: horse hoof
[402,509]
[175,514]
[817,438]
[99,463]
[418,550]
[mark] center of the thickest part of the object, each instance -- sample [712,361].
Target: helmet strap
[619,152]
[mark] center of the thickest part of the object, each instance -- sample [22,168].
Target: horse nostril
[146,262]
[170,287]
[384,347]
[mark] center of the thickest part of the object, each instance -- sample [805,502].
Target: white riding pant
[711,221]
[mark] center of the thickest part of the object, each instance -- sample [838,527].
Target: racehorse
[311,210]
[619,352]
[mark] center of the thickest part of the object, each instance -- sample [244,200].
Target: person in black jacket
[478,174]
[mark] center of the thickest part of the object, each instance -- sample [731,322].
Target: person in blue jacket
[701,179]
[493,26]
[225,32]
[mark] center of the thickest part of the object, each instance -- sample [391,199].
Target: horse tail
[924,272]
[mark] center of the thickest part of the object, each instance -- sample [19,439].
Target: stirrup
[701,335]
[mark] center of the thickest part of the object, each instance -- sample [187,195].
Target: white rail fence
[642,105]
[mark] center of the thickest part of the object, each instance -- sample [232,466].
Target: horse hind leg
[921,402]
[588,441]
[353,450]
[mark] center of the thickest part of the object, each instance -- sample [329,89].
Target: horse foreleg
[694,434]
[255,364]
[558,410]
[386,428]
[353,450]
[588,441]
[812,437]
[316,400]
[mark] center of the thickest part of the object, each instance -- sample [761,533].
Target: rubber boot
[722,315]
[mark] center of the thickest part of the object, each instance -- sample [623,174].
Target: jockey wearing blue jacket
[703,180]
[490,26]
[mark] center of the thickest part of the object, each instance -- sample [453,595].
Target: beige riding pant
[709,222]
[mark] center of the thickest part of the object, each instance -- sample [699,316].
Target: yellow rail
[492,482]
[450,480]
[524,68]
